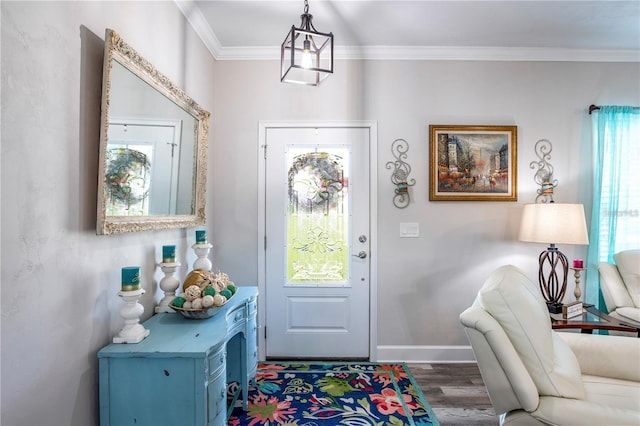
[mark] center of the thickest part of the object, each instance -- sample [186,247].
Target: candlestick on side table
[169,284]
[578,267]
[202,248]
[131,311]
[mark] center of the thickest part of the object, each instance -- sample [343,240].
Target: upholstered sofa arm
[606,356]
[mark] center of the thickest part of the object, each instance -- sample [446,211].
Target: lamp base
[554,307]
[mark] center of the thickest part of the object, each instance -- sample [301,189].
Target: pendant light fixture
[306,56]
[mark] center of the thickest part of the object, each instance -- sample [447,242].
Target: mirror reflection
[153,147]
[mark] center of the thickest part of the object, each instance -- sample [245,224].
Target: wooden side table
[592,319]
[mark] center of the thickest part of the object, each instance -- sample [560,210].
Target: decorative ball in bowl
[205,293]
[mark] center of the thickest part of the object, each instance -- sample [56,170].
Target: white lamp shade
[554,223]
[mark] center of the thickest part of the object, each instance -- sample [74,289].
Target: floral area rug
[352,394]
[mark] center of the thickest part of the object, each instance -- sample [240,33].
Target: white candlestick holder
[131,311]
[168,284]
[202,251]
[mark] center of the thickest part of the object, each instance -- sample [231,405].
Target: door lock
[361,255]
[362,238]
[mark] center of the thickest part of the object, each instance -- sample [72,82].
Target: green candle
[201,236]
[130,278]
[168,254]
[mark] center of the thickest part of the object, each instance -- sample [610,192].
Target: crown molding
[456,53]
[199,23]
[442,53]
[405,53]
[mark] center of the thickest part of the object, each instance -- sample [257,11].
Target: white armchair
[537,376]
[620,284]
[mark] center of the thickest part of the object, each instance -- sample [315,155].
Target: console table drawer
[215,361]
[237,316]
[252,307]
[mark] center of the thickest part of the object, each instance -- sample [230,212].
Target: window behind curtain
[615,218]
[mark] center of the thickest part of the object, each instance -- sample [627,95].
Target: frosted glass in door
[318,216]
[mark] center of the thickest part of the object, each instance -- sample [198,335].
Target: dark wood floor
[456,393]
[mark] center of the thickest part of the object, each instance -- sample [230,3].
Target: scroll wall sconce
[544,174]
[400,175]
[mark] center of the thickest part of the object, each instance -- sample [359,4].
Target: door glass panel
[317,220]
[128,178]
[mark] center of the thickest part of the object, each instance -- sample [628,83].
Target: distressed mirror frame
[117,49]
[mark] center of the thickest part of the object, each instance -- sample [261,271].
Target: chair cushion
[517,304]
[624,394]
[628,263]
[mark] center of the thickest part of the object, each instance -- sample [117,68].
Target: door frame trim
[372,126]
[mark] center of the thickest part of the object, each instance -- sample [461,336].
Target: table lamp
[553,223]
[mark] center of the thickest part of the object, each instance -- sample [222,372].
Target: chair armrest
[614,291]
[606,356]
[629,314]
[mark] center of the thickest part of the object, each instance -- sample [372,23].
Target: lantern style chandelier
[306,56]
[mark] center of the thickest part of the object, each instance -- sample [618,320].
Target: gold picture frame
[473,163]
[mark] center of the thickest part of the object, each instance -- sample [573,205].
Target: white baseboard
[443,354]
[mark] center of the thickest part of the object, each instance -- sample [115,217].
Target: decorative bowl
[203,313]
[197,313]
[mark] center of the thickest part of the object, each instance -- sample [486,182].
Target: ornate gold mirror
[153,147]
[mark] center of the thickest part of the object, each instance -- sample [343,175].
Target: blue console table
[178,375]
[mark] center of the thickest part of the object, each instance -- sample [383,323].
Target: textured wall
[60,280]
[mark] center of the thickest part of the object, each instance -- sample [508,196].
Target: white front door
[317,246]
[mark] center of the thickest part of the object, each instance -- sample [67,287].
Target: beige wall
[423,283]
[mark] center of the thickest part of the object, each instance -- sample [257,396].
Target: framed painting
[472,163]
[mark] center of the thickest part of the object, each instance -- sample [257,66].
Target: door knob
[361,255]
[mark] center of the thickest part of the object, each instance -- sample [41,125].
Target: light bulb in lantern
[306,62]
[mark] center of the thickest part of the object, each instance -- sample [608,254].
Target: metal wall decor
[400,175]
[544,174]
